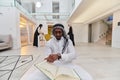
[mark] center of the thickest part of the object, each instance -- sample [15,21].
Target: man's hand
[51,58]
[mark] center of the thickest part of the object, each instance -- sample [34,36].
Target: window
[55,9]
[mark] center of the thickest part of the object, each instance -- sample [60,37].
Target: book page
[47,68]
[66,73]
[63,77]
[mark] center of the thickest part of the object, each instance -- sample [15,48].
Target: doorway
[49,35]
[26,31]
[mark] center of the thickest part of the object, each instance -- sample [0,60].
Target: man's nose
[58,34]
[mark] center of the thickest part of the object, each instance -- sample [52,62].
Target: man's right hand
[51,58]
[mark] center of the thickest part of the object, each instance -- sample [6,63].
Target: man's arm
[51,57]
[68,55]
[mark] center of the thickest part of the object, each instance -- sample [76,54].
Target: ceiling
[91,10]
[50,10]
[47,11]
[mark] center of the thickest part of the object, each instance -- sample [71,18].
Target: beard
[58,38]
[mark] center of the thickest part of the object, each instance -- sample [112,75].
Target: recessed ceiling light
[38,4]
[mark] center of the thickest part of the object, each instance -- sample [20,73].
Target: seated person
[59,48]
[60,51]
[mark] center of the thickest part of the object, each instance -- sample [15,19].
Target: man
[59,48]
[71,35]
[60,51]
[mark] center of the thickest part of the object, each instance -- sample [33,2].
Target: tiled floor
[102,62]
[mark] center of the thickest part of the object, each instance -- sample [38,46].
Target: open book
[57,72]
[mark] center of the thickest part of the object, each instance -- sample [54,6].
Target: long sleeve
[55,47]
[69,55]
[48,49]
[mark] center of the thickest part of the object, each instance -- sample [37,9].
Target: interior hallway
[102,62]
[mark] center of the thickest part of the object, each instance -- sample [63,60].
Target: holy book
[57,72]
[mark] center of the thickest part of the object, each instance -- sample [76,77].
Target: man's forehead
[58,29]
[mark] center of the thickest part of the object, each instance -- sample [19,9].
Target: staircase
[108,36]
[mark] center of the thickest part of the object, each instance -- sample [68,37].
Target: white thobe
[54,46]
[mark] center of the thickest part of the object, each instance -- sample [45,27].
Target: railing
[39,16]
[50,16]
[6,3]
[15,3]
[21,8]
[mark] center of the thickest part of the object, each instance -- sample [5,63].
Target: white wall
[66,5]
[95,32]
[116,30]
[9,24]
[80,33]
[98,30]
[71,5]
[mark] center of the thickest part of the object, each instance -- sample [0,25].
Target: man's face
[58,33]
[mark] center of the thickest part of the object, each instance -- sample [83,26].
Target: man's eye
[58,32]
